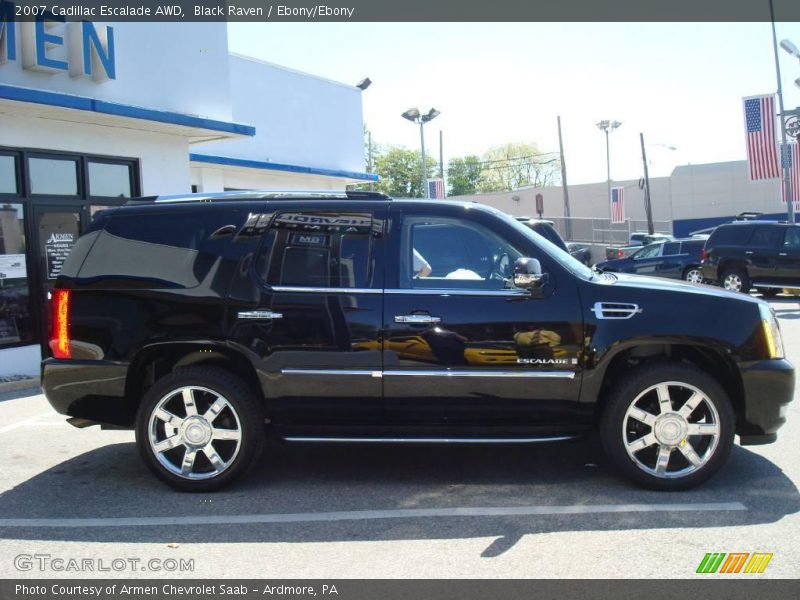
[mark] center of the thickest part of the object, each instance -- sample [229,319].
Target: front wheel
[198,429]
[669,426]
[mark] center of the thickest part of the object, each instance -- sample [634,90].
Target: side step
[431,440]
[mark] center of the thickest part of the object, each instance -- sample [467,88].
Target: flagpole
[787,186]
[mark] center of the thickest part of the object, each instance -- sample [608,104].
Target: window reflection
[15,318]
[109,180]
[51,176]
[8,175]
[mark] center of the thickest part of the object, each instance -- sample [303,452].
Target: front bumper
[768,389]
[88,389]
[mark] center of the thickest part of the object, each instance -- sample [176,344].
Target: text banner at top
[261,11]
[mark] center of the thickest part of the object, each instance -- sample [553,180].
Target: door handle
[748,252]
[781,253]
[417,319]
[263,315]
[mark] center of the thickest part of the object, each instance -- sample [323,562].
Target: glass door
[56,229]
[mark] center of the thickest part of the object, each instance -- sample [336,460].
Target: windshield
[565,259]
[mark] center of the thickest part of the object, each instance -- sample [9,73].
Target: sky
[680,84]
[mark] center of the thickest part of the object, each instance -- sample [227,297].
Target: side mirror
[528,274]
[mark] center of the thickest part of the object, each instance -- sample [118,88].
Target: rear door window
[732,235]
[767,236]
[318,249]
[671,248]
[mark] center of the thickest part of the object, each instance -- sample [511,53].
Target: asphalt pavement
[74,501]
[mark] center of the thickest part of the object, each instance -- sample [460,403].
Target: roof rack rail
[263,195]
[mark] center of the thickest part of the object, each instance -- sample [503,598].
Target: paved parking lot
[379,511]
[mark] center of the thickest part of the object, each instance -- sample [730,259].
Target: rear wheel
[199,428]
[693,275]
[735,280]
[669,426]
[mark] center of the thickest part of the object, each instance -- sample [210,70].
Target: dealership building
[92,114]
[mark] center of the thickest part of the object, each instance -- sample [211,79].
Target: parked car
[207,322]
[581,252]
[677,260]
[747,254]
[614,252]
[546,229]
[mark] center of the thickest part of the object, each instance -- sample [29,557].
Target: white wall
[300,119]
[180,67]
[211,179]
[164,159]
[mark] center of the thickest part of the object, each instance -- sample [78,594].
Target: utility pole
[425,193]
[787,186]
[369,159]
[567,213]
[648,207]
[441,158]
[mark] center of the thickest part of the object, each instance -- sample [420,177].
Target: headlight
[772,331]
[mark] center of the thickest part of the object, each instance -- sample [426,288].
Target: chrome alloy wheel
[194,433]
[671,430]
[695,276]
[732,282]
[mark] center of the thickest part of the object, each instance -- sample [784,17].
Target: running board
[779,286]
[431,440]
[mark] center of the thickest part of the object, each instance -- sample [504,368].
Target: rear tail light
[59,324]
[703,255]
[620,254]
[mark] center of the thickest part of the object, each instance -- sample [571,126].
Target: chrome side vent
[615,310]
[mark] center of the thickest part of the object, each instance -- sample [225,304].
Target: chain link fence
[602,231]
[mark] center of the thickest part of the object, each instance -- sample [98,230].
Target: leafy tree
[512,166]
[400,172]
[463,175]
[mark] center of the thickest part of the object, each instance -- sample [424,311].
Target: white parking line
[26,422]
[369,515]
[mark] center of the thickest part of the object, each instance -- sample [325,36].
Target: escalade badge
[547,361]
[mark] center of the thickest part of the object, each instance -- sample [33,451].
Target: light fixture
[412,114]
[364,83]
[790,48]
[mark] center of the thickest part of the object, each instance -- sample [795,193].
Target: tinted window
[767,236]
[651,251]
[671,248]
[108,179]
[53,176]
[693,247]
[8,174]
[318,249]
[730,235]
[792,238]
[454,253]
[160,249]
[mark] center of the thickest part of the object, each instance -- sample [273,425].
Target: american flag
[617,205]
[791,161]
[436,189]
[762,143]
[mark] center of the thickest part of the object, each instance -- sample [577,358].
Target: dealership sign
[49,44]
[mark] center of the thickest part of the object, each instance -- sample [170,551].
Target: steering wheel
[501,267]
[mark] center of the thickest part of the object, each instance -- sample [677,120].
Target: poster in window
[12,266]
[57,248]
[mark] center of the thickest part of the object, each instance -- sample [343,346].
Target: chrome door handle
[781,253]
[748,252]
[416,319]
[260,314]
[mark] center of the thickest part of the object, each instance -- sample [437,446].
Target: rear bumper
[89,389]
[768,389]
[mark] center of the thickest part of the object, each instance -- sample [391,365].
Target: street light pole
[787,186]
[608,126]
[413,115]
[648,207]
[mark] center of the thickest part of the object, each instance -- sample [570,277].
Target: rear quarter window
[173,250]
[732,235]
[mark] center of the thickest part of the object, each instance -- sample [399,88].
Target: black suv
[204,322]
[760,254]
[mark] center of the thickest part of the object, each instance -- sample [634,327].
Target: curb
[32,384]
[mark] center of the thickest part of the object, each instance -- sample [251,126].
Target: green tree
[513,165]
[463,175]
[400,172]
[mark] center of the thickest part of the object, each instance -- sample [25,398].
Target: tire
[225,429]
[693,275]
[690,459]
[735,280]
